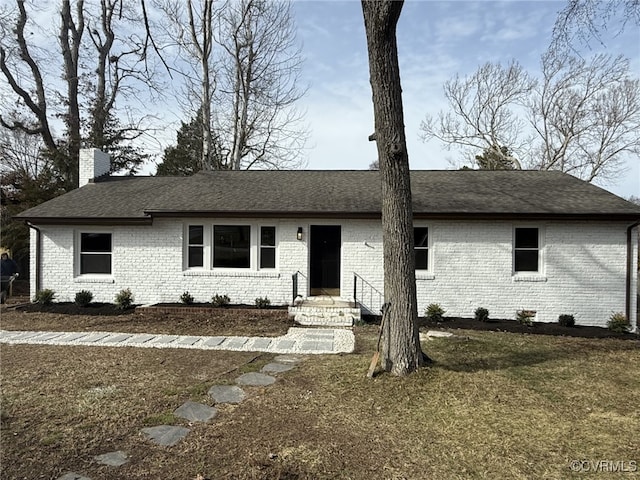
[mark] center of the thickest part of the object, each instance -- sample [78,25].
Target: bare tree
[27,178]
[584,20]
[482,115]
[241,63]
[202,41]
[71,32]
[258,86]
[401,353]
[24,72]
[120,61]
[581,117]
[16,63]
[190,27]
[23,153]
[586,115]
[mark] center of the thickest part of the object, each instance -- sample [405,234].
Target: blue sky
[436,40]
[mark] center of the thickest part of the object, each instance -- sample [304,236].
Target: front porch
[325,311]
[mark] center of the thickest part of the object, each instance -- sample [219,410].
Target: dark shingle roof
[438,193]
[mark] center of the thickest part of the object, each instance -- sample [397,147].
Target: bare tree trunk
[401,353]
[37,105]
[70,39]
[202,41]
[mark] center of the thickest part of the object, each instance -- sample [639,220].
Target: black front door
[324,260]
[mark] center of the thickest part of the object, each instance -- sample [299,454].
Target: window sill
[529,277]
[94,279]
[231,273]
[425,276]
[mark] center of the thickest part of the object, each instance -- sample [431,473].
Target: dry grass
[495,405]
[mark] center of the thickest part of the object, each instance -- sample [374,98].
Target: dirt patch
[61,317]
[512,326]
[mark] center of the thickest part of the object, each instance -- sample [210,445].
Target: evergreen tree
[496,158]
[185,158]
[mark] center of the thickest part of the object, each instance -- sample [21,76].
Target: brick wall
[584,267]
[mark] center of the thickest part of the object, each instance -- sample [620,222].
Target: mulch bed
[512,326]
[241,311]
[70,308]
[106,309]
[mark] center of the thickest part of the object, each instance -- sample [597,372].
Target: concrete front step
[325,311]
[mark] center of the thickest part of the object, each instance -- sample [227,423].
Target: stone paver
[213,341]
[260,343]
[296,341]
[112,459]
[235,342]
[165,435]
[141,338]
[287,359]
[286,344]
[255,379]
[317,346]
[164,339]
[117,338]
[276,367]
[195,412]
[227,394]
[95,337]
[70,337]
[49,336]
[73,476]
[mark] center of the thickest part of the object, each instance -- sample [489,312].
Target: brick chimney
[94,163]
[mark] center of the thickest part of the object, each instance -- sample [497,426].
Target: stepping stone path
[226,394]
[166,435]
[276,368]
[112,459]
[255,379]
[170,435]
[195,412]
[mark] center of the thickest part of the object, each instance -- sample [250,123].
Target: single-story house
[504,240]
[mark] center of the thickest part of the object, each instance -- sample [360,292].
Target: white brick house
[503,240]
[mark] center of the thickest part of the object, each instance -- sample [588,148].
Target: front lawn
[494,405]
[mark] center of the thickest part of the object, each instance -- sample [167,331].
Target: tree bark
[400,349]
[70,45]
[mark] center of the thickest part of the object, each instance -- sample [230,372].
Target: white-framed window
[195,246]
[421,247]
[527,256]
[211,246]
[267,251]
[96,252]
[232,246]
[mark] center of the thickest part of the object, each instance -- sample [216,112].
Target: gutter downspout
[631,265]
[38,255]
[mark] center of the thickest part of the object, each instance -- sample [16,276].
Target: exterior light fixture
[299,234]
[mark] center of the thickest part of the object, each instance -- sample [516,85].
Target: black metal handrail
[295,282]
[367,296]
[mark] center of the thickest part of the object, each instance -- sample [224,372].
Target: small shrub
[525,317]
[567,320]
[618,322]
[186,298]
[434,312]
[124,299]
[263,302]
[83,298]
[481,314]
[220,300]
[45,297]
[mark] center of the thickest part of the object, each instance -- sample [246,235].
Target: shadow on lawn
[465,354]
